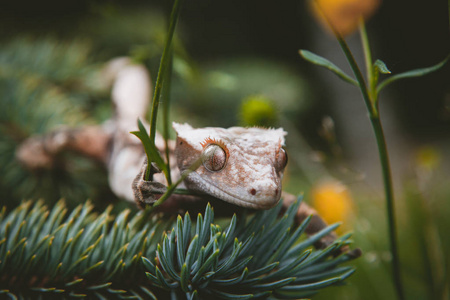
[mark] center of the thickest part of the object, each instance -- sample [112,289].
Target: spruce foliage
[46,83]
[63,254]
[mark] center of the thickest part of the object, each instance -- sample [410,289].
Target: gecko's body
[241,166]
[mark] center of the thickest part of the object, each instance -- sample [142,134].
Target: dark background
[406,35]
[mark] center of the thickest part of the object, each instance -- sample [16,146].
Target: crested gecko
[241,166]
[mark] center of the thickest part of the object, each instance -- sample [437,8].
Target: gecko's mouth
[206,186]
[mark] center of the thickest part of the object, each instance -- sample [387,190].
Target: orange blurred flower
[333,201]
[344,15]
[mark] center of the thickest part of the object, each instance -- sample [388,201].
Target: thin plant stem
[384,160]
[389,194]
[385,165]
[172,188]
[358,74]
[370,75]
[166,110]
[372,107]
[163,66]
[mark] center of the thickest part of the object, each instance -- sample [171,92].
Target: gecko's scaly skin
[254,166]
[250,177]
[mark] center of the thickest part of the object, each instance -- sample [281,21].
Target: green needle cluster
[60,254]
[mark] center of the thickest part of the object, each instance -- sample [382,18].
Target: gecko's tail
[131,89]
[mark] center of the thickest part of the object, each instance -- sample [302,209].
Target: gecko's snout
[263,198]
[253,192]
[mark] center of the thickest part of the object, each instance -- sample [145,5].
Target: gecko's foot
[40,152]
[33,155]
[146,191]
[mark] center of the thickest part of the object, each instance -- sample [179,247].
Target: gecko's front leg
[147,191]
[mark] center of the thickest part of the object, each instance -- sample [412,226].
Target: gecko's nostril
[276,192]
[253,192]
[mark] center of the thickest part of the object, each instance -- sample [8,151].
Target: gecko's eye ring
[214,157]
[281,159]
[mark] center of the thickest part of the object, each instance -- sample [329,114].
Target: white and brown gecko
[241,167]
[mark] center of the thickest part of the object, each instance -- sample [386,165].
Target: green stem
[358,74]
[372,108]
[165,62]
[384,159]
[166,110]
[172,188]
[389,193]
[371,76]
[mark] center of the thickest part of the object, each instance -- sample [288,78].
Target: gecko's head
[243,166]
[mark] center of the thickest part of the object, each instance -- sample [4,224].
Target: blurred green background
[237,63]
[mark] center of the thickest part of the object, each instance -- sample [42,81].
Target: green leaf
[166,263]
[75,282]
[323,62]
[381,67]
[163,281]
[193,296]
[180,242]
[153,278]
[287,268]
[263,270]
[184,278]
[99,286]
[232,281]
[412,74]
[148,264]
[230,261]
[238,266]
[229,296]
[192,251]
[205,266]
[166,59]
[326,265]
[186,229]
[316,276]
[148,293]
[114,291]
[274,285]
[150,149]
[311,240]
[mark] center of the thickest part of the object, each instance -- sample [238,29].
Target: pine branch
[57,253]
[45,83]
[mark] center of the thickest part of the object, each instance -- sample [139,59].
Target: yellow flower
[428,158]
[333,201]
[344,15]
[258,110]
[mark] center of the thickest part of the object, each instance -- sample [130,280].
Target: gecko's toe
[146,191]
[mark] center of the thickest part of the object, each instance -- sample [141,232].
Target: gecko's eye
[214,157]
[281,159]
